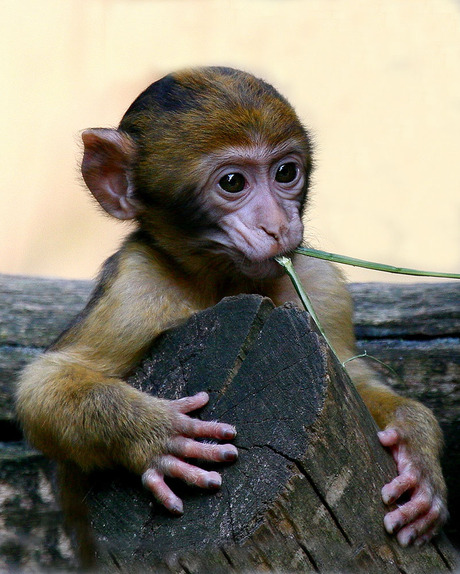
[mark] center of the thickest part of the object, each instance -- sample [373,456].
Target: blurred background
[377,82]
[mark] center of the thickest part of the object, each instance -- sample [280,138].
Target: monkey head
[214,166]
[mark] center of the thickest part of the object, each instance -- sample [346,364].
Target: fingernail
[177,509]
[407,539]
[390,526]
[397,526]
[230,455]
[213,483]
[229,434]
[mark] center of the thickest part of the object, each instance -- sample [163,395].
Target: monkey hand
[182,445]
[423,509]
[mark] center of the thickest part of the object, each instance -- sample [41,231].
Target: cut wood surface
[310,467]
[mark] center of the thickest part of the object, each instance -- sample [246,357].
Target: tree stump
[304,495]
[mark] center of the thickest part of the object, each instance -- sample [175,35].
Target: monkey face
[213,164]
[256,196]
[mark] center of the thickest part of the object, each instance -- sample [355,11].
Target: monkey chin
[260,270]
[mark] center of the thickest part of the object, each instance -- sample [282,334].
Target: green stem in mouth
[371,265]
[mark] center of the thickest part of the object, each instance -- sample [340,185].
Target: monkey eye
[286,173]
[232,182]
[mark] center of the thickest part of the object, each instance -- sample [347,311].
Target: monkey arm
[224,194]
[74,405]
[409,429]
[70,411]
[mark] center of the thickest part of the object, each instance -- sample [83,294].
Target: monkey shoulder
[135,299]
[320,273]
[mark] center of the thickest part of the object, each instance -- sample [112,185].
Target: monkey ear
[106,169]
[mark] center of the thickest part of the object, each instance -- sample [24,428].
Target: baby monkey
[213,166]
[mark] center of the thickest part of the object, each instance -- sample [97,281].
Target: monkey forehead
[257,153]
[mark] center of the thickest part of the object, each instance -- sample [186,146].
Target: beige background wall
[377,81]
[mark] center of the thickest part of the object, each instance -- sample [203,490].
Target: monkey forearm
[71,412]
[390,409]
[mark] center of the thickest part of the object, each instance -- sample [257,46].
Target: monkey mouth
[289,253]
[260,269]
[248,261]
[255,267]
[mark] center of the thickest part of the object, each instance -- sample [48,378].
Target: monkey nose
[275,234]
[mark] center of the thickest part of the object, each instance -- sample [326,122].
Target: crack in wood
[115,561]
[309,556]
[228,498]
[316,490]
[264,311]
[441,555]
[227,556]
[184,567]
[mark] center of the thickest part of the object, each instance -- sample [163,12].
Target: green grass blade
[289,268]
[370,265]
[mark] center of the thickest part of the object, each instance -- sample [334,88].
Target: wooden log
[33,311]
[32,537]
[412,310]
[305,493]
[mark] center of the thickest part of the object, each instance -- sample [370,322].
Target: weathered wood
[410,310]
[33,312]
[32,536]
[305,494]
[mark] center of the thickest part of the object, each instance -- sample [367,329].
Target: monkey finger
[193,475]
[407,536]
[421,530]
[188,404]
[197,428]
[398,486]
[154,481]
[389,437]
[421,540]
[426,536]
[189,448]
[407,514]
[424,527]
